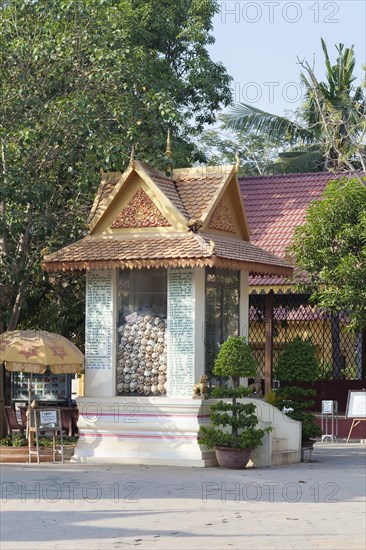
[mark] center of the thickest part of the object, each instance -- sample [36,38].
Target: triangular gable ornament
[221,219]
[140,211]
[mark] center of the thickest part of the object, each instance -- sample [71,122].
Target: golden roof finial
[237,164]
[168,152]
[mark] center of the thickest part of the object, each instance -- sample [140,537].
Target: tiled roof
[105,188]
[198,186]
[190,189]
[275,205]
[167,186]
[236,250]
[184,250]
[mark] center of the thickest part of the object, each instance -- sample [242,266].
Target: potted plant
[298,363]
[234,433]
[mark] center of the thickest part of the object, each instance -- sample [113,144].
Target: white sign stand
[330,419]
[45,420]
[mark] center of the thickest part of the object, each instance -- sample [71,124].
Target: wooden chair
[12,420]
[23,415]
[66,421]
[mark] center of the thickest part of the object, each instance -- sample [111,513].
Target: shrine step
[279,444]
[280,458]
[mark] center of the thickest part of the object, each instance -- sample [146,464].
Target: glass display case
[222,311]
[44,387]
[141,354]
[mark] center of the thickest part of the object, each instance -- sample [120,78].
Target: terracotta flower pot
[307,448]
[232,458]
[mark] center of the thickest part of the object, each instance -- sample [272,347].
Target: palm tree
[332,129]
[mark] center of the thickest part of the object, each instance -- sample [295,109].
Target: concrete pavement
[75,506]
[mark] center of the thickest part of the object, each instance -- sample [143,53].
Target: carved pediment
[140,211]
[222,217]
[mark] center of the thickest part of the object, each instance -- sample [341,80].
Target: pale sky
[259,41]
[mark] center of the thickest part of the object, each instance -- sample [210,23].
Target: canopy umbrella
[33,351]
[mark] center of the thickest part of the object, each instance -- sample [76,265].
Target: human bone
[141,359]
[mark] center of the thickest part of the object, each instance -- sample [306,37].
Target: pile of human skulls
[142,356]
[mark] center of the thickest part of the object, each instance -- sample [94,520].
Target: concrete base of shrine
[161,430]
[142,430]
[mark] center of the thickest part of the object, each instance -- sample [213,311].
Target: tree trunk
[3,423]
[12,325]
[337,359]
[363,375]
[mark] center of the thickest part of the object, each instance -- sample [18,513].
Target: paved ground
[303,506]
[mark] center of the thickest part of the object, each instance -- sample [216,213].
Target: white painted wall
[199,301]
[100,333]
[244,304]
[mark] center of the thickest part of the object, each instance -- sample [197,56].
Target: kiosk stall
[167,262]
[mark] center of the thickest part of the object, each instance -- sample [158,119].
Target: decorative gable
[222,217]
[140,211]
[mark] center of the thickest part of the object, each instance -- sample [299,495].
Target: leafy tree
[331,248]
[329,129]
[298,363]
[81,82]
[256,153]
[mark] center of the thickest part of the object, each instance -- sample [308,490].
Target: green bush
[235,360]
[298,363]
[46,441]
[18,440]
[13,440]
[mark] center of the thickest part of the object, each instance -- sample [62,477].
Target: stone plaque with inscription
[99,320]
[180,332]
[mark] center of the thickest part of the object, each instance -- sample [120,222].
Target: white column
[100,333]
[244,304]
[199,321]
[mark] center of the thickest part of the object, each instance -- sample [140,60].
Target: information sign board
[356,404]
